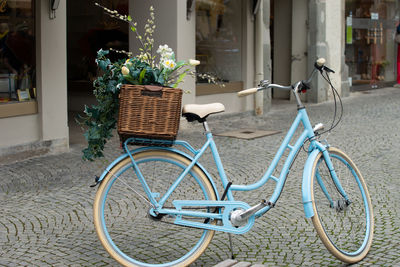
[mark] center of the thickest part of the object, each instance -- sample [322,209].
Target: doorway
[88,30]
[281,45]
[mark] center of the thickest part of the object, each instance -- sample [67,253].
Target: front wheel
[129,231]
[343,216]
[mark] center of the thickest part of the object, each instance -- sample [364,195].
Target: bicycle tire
[345,229]
[141,239]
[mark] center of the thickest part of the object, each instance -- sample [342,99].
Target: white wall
[19,130]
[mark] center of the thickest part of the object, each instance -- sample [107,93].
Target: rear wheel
[345,226]
[132,234]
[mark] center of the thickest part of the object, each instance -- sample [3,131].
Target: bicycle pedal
[240,217]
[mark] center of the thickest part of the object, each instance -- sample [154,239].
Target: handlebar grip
[320,62]
[247,92]
[320,65]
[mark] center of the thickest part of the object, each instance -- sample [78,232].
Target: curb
[235,263]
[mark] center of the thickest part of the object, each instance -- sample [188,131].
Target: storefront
[33,78]
[17,58]
[47,54]
[371,51]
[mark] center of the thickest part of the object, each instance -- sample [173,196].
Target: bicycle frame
[230,204]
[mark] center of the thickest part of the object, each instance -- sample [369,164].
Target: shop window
[219,44]
[17,57]
[370,47]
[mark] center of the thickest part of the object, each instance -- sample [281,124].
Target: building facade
[33,108]
[48,50]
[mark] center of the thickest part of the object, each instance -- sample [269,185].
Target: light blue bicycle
[158,206]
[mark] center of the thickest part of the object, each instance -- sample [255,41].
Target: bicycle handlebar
[304,85]
[247,91]
[250,91]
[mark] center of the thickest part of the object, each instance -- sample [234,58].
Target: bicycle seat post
[206,128]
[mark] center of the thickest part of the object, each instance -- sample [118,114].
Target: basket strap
[153,88]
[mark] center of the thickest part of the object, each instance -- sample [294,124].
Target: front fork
[315,149]
[336,181]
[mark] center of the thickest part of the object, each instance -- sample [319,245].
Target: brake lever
[305,85]
[328,69]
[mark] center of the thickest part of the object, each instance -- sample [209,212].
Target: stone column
[317,47]
[267,52]
[345,85]
[51,56]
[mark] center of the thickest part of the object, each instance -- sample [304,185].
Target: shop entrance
[370,48]
[281,45]
[88,30]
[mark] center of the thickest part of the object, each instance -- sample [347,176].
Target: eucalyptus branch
[113,13]
[128,54]
[125,18]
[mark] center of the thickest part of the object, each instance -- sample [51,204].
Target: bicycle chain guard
[227,207]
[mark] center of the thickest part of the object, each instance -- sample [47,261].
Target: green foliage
[142,73]
[101,119]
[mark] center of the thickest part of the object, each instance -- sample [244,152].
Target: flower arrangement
[159,68]
[167,72]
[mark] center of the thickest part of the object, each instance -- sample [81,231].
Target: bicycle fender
[123,156]
[306,185]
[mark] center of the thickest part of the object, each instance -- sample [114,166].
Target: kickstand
[231,245]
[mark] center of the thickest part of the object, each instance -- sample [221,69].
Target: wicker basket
[149,112]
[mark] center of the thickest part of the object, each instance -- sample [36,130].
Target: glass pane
[17,50]
[370,47]
[219,38]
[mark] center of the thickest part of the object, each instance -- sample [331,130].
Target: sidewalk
[46,202]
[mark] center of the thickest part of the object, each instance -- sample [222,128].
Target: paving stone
[242,264]
[226,263]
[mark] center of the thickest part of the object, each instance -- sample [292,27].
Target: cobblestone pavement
[46,202]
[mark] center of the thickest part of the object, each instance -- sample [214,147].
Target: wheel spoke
[132,189]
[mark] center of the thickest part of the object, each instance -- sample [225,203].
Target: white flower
[162,49]
[125,70]
[193,62]
[167,55]
[169,64]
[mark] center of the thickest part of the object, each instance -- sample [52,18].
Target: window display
[370,47]
[17,50]
[219,40]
